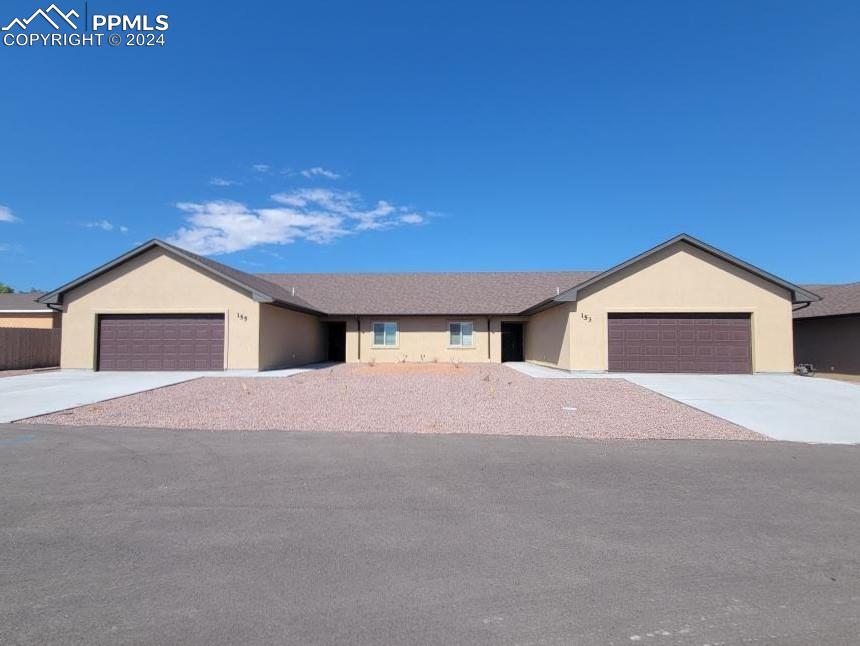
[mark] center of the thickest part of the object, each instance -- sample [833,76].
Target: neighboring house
[683,306]
[827,333]
[23,310]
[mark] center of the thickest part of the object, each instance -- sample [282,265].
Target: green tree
[5,289]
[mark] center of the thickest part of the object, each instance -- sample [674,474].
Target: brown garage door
[161,342]
[713,343]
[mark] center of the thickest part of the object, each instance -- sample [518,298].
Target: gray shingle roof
[448,293]
[427,293]
[22,302]
[835,300]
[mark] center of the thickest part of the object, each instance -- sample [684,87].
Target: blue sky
[348,136]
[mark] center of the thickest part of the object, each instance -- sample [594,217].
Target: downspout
[803,306]
[489,341]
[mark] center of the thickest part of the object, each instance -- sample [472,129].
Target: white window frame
[373,344]
[461,346]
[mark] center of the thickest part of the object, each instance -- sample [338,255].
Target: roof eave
[801,295]
[292,306]
[540,307]
[262,298]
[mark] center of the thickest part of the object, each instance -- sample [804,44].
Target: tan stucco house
[682,306]
[22,310]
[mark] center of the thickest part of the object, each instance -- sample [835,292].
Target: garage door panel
[703,343]
[161,342]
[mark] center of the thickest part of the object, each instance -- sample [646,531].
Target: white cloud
[316,215]
[261,168]
[347,204]
[105,225]
[6,214]
[220,181]
[317,171]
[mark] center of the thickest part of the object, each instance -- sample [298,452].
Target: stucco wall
[289,338]
[42,321]
[682,278]
[427,336]
[423,338]
[831,344]
[156,282]
[547,337]
[352,349]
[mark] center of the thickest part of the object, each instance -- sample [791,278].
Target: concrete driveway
[47,392]
[140,536]
[784,407]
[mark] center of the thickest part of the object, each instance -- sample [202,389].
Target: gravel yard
[432,398]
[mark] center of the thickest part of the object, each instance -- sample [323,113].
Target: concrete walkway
[48,392]
[784,407]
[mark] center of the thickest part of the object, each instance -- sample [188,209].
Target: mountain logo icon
[52,14]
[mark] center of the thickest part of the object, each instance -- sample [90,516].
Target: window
[385,334]
[461,334]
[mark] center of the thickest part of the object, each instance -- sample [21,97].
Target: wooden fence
[23,348]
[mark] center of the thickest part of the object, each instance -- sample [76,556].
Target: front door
[336,341]
[512,342]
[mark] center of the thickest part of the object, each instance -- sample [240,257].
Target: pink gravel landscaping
[484,399]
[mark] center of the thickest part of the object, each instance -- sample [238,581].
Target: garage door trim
[707,347]
[106,314]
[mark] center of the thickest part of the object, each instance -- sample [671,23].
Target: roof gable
[798,294]
[259,289]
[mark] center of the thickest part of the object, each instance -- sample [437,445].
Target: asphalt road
[148,536]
